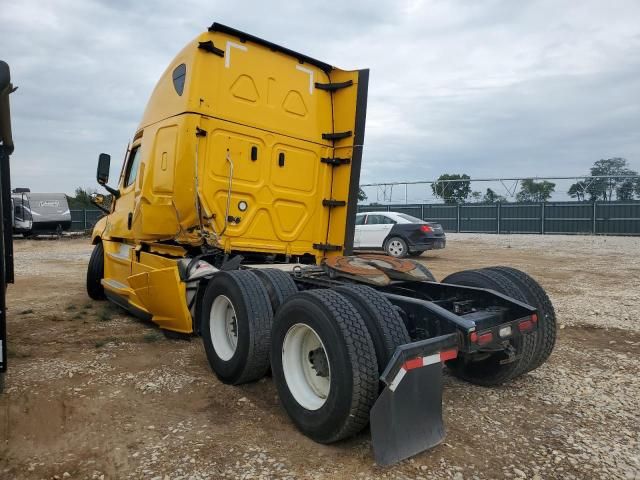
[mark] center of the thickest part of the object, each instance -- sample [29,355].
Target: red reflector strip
[448,355]
[413,363]
[534,318]
[421,362]
[485,338]
[525,325]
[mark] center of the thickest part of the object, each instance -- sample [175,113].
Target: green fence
[601,218]
[82,220]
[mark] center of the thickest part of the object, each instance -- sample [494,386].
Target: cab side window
[360,219]
[132,167]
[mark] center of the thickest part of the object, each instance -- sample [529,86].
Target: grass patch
[71,307]
[152,337]
[26,312]
[101,343]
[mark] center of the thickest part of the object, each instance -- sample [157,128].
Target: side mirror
[104,162]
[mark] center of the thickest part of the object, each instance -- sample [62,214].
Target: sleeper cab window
[179,74]
[132,167]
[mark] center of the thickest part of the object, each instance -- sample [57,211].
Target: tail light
[481,339]
[426,228]
[526,325]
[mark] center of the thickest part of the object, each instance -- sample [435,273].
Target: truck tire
[424,270]
[95,273]
[533,294]
[383,322]
[324,365]
[235,324]
[486,370]
[279,285]
[396,247]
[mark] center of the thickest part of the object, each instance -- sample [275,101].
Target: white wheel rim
[306,366]
[396,248]
[223,327]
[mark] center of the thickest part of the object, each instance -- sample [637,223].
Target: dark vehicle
[398,234]
[6,239]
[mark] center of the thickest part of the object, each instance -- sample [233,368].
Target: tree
[492,197]
[476,196]
[626,189]
[604,188]
[452,191]
[532,191]
[361,195]
[82,198]
[578,190]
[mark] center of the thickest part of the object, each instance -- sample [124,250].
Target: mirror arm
[112,191]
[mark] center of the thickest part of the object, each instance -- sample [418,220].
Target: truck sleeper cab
[249,153]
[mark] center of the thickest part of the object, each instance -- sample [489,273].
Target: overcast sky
[488,88]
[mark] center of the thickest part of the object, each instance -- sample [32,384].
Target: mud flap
[407,417]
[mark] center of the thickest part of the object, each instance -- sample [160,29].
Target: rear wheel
[383,321]
[533,294]
[279,285]
[95,273]
[486,368]
[235,324]
[396,247]
[324,365]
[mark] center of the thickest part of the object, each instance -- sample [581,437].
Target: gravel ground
[95,393]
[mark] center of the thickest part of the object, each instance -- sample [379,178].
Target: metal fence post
[542,218]
[422,211]
[458,218]
[498,216]
[594,216]
[84,211]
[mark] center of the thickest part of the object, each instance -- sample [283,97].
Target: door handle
[129,220]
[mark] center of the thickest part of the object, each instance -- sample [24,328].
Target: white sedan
[398,234]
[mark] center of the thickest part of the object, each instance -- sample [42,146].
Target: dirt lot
[94,393]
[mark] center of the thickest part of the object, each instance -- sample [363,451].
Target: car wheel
[397,247]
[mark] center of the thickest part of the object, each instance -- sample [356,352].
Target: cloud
[490,88]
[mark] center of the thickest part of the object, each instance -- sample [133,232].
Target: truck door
[122,217]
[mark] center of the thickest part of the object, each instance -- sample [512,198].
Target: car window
[379,220]
[360,219]
[132,167]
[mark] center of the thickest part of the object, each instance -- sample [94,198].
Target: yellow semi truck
[248,156]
